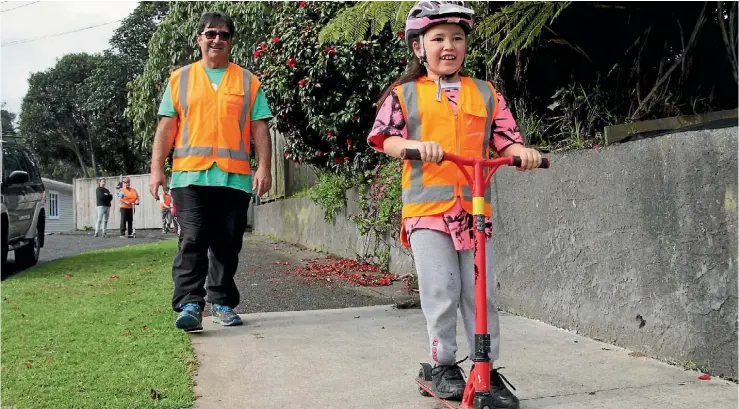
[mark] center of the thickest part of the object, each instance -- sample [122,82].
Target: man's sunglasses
[212,34]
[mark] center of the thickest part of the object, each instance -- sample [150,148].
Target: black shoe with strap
[502,397]
[448,381]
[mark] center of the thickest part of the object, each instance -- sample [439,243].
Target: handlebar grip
[410,154]
[544,162]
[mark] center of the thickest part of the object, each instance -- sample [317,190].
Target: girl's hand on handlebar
[530,159]
[431,152]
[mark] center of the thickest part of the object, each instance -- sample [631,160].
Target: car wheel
[28,255]
[4,244]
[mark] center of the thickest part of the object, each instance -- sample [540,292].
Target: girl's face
[445,46]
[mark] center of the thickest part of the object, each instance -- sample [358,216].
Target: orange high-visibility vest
[429,188]
[129,195]
[215,125]
[166,202]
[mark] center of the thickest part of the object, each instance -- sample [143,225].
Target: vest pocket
[233,102]
[475,124]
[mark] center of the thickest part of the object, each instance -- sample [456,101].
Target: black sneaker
[448,381]
[502,397]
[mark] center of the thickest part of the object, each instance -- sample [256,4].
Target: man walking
[103,198]
[210,111]
[128,198]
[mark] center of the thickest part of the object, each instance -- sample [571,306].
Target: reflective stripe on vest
[186,149]
[417,193]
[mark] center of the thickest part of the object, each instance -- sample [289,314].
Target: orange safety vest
[167,201]
[429,188]
[215,125]
[129,195]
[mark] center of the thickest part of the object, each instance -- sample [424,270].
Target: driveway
[59,245]
[278,276]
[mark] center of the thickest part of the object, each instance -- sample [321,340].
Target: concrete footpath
[367,358]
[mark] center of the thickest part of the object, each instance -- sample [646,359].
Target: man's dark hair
[215,19]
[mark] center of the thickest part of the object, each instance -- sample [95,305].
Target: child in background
[433,108]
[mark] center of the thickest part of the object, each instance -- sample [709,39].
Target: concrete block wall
[633,244]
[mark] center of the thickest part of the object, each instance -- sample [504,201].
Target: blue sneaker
[189,318]
[224,315]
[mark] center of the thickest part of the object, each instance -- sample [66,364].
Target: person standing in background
[128,199]
[165,205]
[104,199]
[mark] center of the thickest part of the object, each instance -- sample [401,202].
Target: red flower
[319,153]
[339,160]
[347,159]
[302,83]
[330,51]
[330,135]
[359,44]
[355,118]
[257,54]
[349,142]
[292,62]
[275,40]
[401,34]
[301,4]
[263,46]
[286,155]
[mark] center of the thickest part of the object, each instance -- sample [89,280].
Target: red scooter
[477,393]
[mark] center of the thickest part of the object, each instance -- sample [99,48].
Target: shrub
[324,97]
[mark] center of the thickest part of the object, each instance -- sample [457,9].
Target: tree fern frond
[518,25]
[365,19]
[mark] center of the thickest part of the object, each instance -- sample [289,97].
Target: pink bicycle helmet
[426,14]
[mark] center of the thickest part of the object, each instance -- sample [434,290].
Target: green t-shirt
[214,176]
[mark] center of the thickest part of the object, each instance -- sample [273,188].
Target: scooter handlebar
[543,165]
[415,154]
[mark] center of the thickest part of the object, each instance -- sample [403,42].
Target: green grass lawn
[95,331]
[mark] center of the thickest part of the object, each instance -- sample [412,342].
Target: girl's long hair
[413,72]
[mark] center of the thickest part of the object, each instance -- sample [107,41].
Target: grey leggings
[445,281]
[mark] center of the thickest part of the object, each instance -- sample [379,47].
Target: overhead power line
[57,34]
[17,7]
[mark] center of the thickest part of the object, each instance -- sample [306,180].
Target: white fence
[146,216]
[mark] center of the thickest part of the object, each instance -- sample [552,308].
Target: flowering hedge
[324,96]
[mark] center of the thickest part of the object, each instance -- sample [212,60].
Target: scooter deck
[426,390]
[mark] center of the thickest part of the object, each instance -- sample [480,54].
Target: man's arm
[262,143]
[163,140]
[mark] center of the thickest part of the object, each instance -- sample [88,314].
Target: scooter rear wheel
[421,390]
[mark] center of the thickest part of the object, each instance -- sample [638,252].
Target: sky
[48,18]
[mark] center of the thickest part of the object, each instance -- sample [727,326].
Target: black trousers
[126,220]
[212,222]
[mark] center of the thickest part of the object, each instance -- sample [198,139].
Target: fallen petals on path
[350,271]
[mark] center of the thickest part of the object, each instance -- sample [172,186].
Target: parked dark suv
[23,205]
